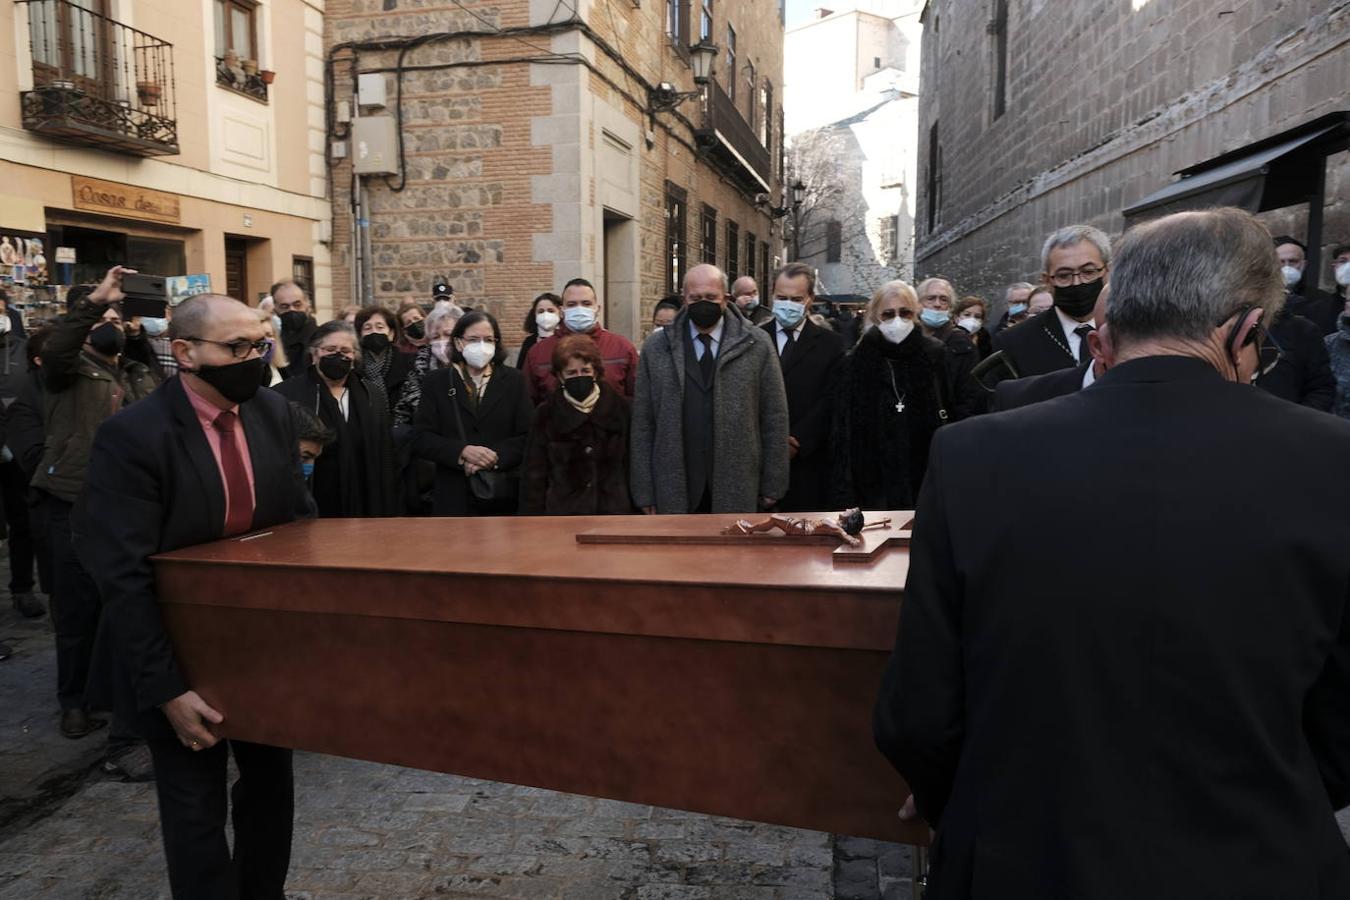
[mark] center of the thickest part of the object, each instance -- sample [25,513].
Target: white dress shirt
[794,335]
[1071,340]
[715,334]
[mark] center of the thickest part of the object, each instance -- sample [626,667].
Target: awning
[1282,170]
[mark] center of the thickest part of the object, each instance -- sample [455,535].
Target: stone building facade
[536,149]
[1040,114]
[852,130]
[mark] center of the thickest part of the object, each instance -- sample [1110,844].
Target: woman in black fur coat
[576,462]
[893,396]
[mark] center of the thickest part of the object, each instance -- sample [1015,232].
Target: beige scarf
[585,406]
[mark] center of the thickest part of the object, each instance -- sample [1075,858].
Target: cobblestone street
[374,831]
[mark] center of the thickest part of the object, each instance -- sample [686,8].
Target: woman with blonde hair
[892,397]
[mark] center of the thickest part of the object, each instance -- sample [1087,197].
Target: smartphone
[146,295]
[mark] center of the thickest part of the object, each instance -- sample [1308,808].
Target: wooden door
[236,268]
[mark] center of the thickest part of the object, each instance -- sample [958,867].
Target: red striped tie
[239,517]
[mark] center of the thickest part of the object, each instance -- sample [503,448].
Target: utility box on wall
[375,145]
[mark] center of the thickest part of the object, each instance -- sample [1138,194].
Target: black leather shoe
[5,651]
[28,605]
[76,723]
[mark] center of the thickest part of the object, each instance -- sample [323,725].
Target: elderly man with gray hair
[1074,261]
[1163,709]
[710,417]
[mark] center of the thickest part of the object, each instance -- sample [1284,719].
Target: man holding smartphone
[87,379]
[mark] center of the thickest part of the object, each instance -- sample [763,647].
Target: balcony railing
[235,75]
[731,141]
[99,82]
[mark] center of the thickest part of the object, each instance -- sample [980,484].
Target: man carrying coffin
[205,456]
[1163,710]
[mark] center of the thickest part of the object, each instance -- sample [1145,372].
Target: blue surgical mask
[579,318]
[788,313]
[155,327]
[1016,310]
[935,318]
[308,468]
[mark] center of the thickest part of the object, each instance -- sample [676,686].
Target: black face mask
[704,313]
[107,339]
[335,366]
[375,343]
[579,387]
[237,382]
[293,320]
[1077,300]
[417,330]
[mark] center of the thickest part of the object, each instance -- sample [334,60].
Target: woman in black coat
[540,324]
[355,475]
[576,462]
[382,362]
[473,420]
[892,397]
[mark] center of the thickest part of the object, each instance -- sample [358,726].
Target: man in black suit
[810,357]
[1015,392]
[1162,710]
[205,456]
[1075,261]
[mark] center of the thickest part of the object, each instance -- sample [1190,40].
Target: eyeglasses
[238,349]
[903,312]
[1066,277]
[1269,351]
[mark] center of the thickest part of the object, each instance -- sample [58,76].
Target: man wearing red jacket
[581,315]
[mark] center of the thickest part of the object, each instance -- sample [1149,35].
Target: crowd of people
[732,405]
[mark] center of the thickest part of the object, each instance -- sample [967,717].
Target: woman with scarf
[892,397]
[355,475]
[545,314]
[576,461]
[385,365]
[472,422]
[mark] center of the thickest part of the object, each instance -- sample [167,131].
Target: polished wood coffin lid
[736,680]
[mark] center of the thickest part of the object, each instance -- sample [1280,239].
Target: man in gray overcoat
[710,417]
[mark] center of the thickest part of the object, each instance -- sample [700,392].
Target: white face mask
[478,355]
[1343,274]
[1291,275]
[896,330]
[970,323]
[546,322]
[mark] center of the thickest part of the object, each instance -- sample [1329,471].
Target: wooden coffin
[735,679]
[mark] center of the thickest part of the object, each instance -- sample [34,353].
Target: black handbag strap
[454,405]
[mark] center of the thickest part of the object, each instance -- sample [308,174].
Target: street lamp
[664,97]
[701,58]
[798,195]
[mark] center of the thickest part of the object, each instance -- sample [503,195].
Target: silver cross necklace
[895,389]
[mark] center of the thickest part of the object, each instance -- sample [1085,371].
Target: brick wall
[1104,103]
[470,210]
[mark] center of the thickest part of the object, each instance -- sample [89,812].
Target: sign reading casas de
[110,197]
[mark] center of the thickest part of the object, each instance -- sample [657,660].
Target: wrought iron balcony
[732,143]
[98,82]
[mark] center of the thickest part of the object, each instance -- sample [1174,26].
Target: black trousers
[192,813]
[14,495]
[75,608]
